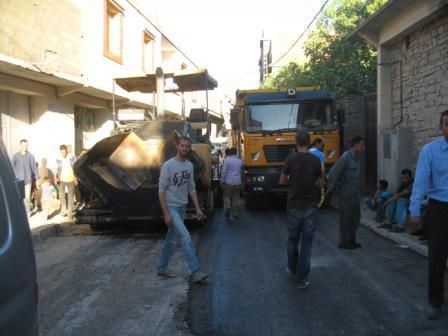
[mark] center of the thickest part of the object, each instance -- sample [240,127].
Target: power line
[301,35]
[290,48]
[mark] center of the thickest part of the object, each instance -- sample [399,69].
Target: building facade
[412,42]
[57,64]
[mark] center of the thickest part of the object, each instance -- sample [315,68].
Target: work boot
[417,233]
[433,312]
[165,274]
[199,277]
[290,273]
[348,246]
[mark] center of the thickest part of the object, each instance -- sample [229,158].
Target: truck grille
[277,153]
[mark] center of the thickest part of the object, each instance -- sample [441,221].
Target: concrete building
[57,64]
[411,37]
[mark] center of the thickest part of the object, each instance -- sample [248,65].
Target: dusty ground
[105,284]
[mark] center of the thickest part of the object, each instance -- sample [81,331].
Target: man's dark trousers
[437,226]
[349,217]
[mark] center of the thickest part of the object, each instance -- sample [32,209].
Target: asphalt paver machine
[122,171]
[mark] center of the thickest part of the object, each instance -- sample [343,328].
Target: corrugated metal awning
[198,80]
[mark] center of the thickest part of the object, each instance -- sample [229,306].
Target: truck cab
[264,125]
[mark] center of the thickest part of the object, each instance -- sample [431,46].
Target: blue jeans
[377,207]
[178,231]
[301,227]
[399,209]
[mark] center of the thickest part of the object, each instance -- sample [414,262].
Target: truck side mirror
[234,114]
[341,116]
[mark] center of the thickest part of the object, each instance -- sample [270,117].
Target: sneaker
[199,277]
[165,274]
[433,312]
[302,284]
[385,226]
[290,273]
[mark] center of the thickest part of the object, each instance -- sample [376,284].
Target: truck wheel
[211,203]
[251,201]
[101,227]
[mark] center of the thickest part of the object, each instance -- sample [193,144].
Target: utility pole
[265,59]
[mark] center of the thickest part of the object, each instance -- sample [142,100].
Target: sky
[224,36]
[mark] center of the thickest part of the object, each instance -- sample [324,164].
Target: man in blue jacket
[25,168]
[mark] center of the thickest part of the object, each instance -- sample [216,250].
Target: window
[148,52]
[113,31]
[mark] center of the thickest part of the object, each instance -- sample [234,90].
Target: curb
[403,241]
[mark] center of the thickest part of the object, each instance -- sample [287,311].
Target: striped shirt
[431,178]
[231,170]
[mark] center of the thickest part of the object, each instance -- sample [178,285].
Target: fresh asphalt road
[94,284]
[379,289]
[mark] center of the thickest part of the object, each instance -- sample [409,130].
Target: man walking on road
[25,168]
[431,180]
[303,174]
[175,183]
[345,177]
[231,183]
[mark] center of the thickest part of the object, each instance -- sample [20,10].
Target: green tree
[333,62]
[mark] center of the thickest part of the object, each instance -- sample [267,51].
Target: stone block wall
[354,107]
[46,33]
[420,82]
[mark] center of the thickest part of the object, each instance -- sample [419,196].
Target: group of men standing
[26,169]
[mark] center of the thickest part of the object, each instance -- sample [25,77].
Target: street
[379,289]
[105,284]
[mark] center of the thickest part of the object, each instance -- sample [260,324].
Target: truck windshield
[283,117]
[271,117]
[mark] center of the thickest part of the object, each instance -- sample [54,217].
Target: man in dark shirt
[25,168]
[303,174]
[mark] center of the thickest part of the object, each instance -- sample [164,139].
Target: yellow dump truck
[264,124]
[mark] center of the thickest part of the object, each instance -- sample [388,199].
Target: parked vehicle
[18,279]
[264,125]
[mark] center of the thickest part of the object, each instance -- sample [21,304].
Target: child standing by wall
[48,198]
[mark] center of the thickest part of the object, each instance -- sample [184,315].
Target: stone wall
[420,82]
[354,107]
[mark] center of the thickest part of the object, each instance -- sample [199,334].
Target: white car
[18,279]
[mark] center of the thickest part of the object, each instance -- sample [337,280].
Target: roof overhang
[197,80]
[398,18]
[22,79]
